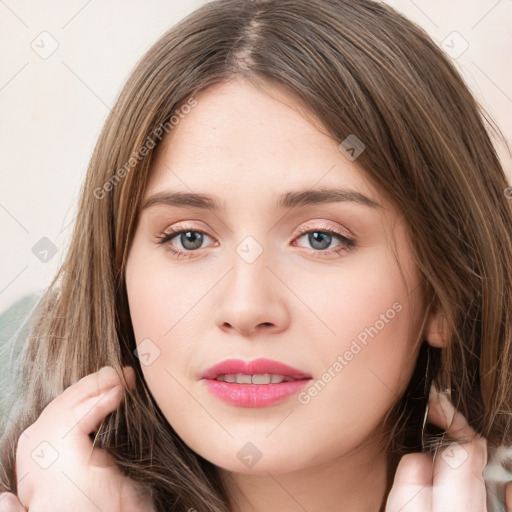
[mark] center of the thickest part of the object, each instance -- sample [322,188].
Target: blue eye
[192,239]
[321,239]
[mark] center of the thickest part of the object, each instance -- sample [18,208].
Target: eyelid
[347,242]
[165,237]
[325,225]
[174,229]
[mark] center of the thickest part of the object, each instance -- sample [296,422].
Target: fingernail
[435,393]
[441,400]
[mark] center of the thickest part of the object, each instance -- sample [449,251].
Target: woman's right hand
[57,467]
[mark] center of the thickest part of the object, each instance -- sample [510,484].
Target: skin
[57,467]
[248,146]
[302,308]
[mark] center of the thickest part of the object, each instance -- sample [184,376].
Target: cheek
[168,312]
[366,303]
[364,344]
[161,299]
[160,312]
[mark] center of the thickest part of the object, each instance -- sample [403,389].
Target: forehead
[240,139]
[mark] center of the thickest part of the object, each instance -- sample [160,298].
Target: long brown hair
[361,68]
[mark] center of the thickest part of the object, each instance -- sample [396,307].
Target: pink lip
[254,395]
[254,367]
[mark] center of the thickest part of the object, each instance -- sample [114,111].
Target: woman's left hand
[452,481]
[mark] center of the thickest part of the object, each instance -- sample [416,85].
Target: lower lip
[254,395]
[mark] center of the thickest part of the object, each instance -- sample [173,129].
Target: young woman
[293,232]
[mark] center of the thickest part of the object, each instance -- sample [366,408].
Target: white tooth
[243,379]
[261,379]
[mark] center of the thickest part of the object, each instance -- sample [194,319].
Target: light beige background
[52,107]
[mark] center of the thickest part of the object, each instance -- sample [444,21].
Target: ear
[436,331]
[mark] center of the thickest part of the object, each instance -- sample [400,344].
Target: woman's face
[261,276]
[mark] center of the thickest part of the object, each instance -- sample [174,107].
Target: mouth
[257,383]
[262,379]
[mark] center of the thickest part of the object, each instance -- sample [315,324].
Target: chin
[259,457]
[274,465]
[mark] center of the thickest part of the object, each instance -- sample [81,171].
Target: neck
[356,482]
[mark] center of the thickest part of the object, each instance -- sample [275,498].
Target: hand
[57,467]
[452,480]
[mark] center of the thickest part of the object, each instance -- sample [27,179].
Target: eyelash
[347,244]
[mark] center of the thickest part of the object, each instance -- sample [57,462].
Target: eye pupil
[194,237]
[315,235]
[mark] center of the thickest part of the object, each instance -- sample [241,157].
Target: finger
[443,414]
[458,477]
[73,415]
[10,503]
[96,383]
[87,416]
[411,490]
[90,399]
[458,482]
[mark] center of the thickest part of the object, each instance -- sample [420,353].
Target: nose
[252,299]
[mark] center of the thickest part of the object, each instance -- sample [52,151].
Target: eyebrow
[288,200]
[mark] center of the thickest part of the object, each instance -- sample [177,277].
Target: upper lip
[254,367]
